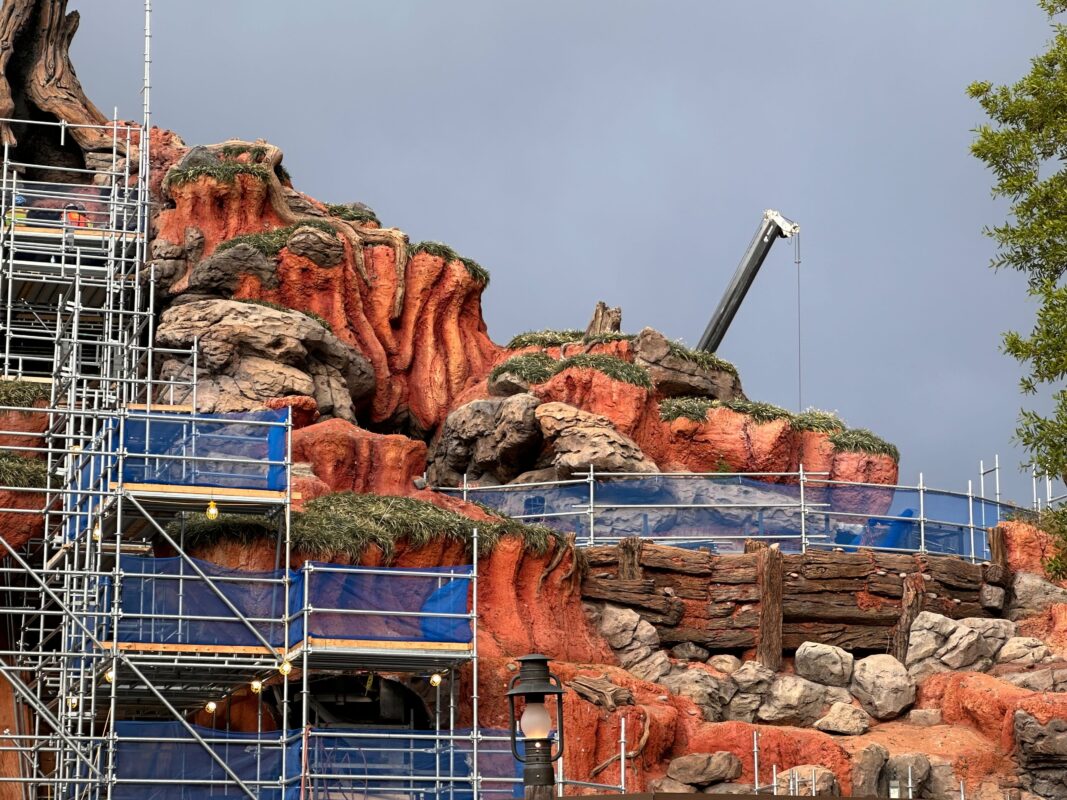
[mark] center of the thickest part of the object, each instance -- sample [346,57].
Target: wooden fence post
[769,580]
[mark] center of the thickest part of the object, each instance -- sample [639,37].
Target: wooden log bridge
[771,602]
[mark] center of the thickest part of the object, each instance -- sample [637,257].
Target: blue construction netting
[163,761]
[377,596]
[164,600]
[388,763]
[722,512]
[220,450]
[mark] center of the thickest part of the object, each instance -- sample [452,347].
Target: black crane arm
[774,226]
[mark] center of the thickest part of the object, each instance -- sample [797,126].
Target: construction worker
[74,216]
[16,214]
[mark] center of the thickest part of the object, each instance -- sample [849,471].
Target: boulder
[801,780]
[729,788]
[700,769]
[824,663]
[753,678]
[844,718]
[674,375]
[505,384]
[797,701]
[492,440]
[1041,680]
[929,632]
[1023,651]
[646,633]
[883,686]
[617,625]
[905,767]
[323,248]
[710,694]
[725,663]
[942,783]
[220,272]
[1032,595]
[1042,754]
[963,647]
[652,668]
[994,632]
[689,651]
[924,717]
[992,597]
[869,777]
[921,670]
[580,439]
[669,785]
[743,707]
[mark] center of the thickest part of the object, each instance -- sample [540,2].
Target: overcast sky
[624,151]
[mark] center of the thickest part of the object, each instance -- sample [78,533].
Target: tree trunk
[605,320]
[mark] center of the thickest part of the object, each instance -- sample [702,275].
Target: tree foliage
[1024,144]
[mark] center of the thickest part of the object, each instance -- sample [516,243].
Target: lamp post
[534,684]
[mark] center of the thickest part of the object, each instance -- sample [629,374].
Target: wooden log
[675,559]
[640,593]
[688,587]
[996,574]
[601,692]
[850,637]
[603,555]
[895,562]
[630,558]
[911,605]
[835,607]
[954,572]
[769,635]
[718,639]
[802,585]
[998,546]
[734,568]
[820,564]
[738,593]
[888,585]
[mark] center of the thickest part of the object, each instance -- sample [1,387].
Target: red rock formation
[18,527]
[305,410]
[348,458]
[1028,547]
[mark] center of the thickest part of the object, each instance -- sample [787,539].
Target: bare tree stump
[911,605]
[630,558]
[605,320]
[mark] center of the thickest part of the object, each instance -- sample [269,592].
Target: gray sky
[624,151]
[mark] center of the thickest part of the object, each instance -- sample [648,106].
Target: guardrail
[798,510]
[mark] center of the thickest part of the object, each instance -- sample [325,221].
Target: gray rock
[710,694]
[869,776]
[617,625]
[689,651]
[938,623]
[652,668]
[580,439]
[824,663]
[743,707]
[669,785]
[250,354]
[925,717]
[897,770]
[1042,754]
[1041,680]
[1023,650]
[928,634]
[803,776]
[883,686]
[725,663]
[963,647]
[942,784]
[676,376]
[633,653]
[220,272]
[505,384]
[845,719]
[494,439]
[729,788]
[701,769]
[646,633]
[323,248]
[753,678]
[793,700]
[994,632]
[922,670]
[991,597]
[1032,595]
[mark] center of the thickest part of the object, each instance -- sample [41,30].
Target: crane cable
[800,371]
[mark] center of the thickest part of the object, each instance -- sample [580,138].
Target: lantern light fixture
[436,679]
[534,684]
[212,510]
[257,686]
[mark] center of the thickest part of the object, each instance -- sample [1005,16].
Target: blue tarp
[161,599]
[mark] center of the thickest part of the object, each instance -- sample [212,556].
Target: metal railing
[798,510]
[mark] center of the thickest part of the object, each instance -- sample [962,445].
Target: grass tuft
[815,420]
[706,361]
[531,367]
[223,172]
[352,213]
[201,531]
[271,242]
[22,394]
[612,366]
[25,472]
[279,307]
[694,408]
[546,338]
[861,440]
[256,152]
[441,250]
[345,523]
[608,336]
[761,413]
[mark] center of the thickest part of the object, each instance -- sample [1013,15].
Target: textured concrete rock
[942,783]
[844,718]
[824,663]
[792,700]
[505,384]
[689,651]
[994,632]
[701,769]
[897,769]
[1023,651]
[1038,681]
[743,707]
[653,668]
[869,776]
[674,375]
[992,597]
[251,353]
[669,785]
[1042,754]
[804,777]
[646,633]
[924,717]
[617,625]
[492,440]
[1032,595]
[325,249]
[708,692]
[928,634]
[883,686]
[753,678]
[921,670]
[579,439]
[219,273]
[729,788]
[963,647]
[725,663]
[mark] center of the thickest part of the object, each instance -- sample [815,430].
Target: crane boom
[773,226]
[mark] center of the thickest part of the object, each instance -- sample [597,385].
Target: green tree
[1025,146]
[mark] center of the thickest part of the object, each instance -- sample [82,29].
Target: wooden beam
[630,558]
[769,635]
[911,605]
